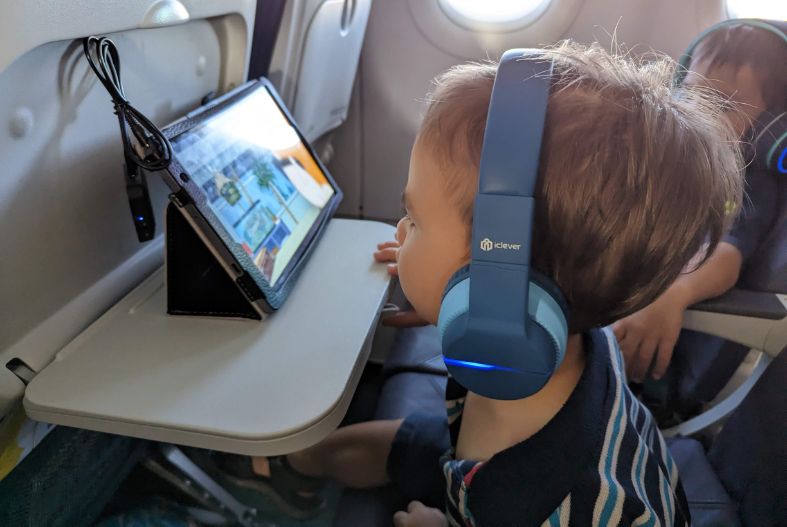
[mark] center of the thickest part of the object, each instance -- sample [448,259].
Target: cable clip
[139,201]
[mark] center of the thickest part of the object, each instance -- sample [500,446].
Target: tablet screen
[257,177]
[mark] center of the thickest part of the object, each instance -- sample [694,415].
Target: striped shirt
[599,461]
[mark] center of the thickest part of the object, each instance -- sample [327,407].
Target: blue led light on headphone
[503,327]
[475,365]
[780,164]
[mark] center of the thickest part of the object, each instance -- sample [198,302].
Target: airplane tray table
[249,387]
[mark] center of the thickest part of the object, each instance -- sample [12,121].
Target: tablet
[253,189]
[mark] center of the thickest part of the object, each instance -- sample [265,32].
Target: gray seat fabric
[414,382]
[415,375]
[750,453]
[401,395]
[743,477]
[407,393]
[709,503]
[368,508]
[415,349]
[703,364]
[68,479]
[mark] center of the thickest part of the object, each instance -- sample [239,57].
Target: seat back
[69,247]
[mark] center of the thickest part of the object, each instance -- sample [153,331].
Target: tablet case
[177,179]
[197,285]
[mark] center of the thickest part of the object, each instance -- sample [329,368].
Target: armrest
[754,319]
[746,303]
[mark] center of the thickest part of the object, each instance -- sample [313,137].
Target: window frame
[465,21]
[731,13]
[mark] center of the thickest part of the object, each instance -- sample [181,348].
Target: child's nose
[401,230]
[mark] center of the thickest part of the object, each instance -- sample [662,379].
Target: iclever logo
[487,245]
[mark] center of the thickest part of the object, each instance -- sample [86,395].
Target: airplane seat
[414,378]
[69,247]
[749,453]
[705,365]
[68,478]
[733,482]
[415,350]
[719,482]
[741,479]
[709,502]
[414,375]
[702,364]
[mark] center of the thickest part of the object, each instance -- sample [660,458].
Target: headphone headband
[512,138]
[503,213]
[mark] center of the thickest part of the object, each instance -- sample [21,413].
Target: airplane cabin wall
[408,42]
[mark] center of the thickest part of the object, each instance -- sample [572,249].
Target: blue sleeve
[757,214]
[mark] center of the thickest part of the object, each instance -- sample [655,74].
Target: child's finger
[387,245]
[393,269]
[386,255]
[663,358]
[400,519]
[619,329]
[641,363]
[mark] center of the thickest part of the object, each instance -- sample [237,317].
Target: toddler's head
[635,177]
[746,64]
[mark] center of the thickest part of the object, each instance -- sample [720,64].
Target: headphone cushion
[456,300]
[457,277]
[546,312]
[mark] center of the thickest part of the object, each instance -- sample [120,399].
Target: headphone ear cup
[769,142]
[456,300]
[543,350]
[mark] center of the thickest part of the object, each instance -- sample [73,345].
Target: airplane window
[494,15]
[757,9]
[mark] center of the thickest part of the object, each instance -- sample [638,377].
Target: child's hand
[386,253]
[649,336]
[419,515]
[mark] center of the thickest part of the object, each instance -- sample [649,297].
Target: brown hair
[635,176]
[739,44]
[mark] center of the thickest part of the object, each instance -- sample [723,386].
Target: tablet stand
[196,282]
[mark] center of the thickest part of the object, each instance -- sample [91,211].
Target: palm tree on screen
[265,176]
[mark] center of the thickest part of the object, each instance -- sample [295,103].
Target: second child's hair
[740,44]
[635,176]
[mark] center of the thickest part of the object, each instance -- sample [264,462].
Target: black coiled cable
[149,149]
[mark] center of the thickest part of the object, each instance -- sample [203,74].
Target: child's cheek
[403,267]
[410,272]
[400,231]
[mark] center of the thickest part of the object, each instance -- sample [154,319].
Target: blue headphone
[504,326]
[770,133]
